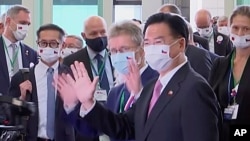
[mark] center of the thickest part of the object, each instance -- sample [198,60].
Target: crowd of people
[152,81]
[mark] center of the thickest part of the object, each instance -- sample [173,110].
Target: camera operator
[46,124]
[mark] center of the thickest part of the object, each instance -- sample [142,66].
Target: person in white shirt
[14,54]
[177,106]
[47,123]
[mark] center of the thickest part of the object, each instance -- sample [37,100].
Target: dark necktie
[103,79]
[50,104]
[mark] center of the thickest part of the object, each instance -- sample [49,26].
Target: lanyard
[122,101]
[232,94]
[12,61]
[101,71]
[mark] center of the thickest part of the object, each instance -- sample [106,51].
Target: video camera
[13,112]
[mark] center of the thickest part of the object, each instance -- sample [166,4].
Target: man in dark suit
[47,123]
[179,106]
[95,57]
[13,53]
[120,46]
[219,44]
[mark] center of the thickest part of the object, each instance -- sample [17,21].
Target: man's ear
[83,35]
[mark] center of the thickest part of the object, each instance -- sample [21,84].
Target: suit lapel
[3,61]
[25,55]
[86,60]
[169,92]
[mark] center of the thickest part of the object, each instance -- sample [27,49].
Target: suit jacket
[219,80]
[113,102]
[202,41]
[28,56]
[82,56]
[63,130]
[222,44]
[199,60]
[189,114]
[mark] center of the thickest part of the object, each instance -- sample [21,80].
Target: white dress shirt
[42,93]
[108,67]
[9,51]
[211,43]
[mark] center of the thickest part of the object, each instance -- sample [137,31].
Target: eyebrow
[160,37]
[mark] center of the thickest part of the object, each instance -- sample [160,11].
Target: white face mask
[157,56]
[67,51]
[240,41]
[48,54]
[223,30]
[205,32]
[21,31]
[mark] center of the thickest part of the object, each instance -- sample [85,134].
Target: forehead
[22,15]
[49,35]
[121,41]
[156,30]
[241,20]
[70,40]
[96,24]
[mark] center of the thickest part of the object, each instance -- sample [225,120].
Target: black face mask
[97,44]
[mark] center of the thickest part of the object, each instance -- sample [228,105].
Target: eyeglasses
[122,50]
[52,44]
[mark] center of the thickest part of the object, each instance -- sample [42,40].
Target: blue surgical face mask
[120,61]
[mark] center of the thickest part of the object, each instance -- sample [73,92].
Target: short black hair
[51,27]
[136,20]
[176,24]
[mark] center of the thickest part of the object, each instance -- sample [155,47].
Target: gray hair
[2,18]
[128,28]
[14,10]
[80,41]
[222,18]
[243,10]
[171,7]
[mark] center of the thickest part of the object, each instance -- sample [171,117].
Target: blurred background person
[219,43]
[2,21]
[222,25]
[230,75]
[72,44]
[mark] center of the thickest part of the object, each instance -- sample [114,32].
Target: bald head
[203,18]
[94,26]
[169,8]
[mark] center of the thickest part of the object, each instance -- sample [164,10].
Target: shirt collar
[166,78]
[92,54]
[8,42]
[43,67]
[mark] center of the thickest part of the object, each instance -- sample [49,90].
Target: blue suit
[28,56]
[114,97]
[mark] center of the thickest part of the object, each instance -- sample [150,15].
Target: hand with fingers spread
[66,90]
[24,87]
[133,78]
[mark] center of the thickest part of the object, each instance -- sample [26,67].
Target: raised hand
[133,78]
[82,84]
[66,91]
